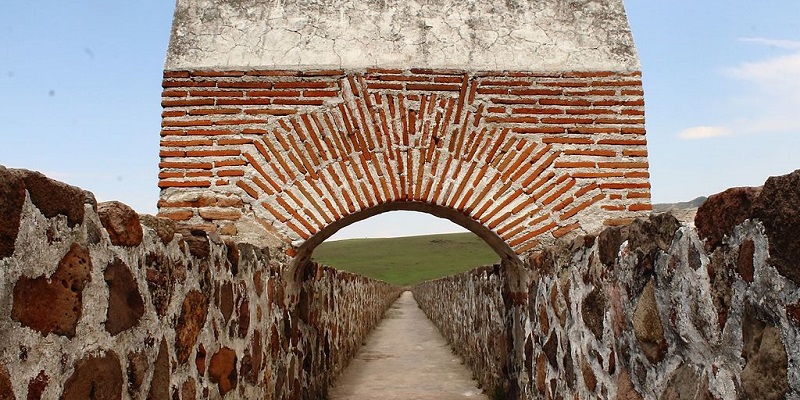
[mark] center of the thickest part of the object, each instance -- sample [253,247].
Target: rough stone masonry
[522,121]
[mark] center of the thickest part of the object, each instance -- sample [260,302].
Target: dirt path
[406,357]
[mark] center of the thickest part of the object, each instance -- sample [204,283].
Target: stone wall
[649,310]
[99,302]
[475,304]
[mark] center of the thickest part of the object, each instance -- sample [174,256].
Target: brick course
[506,149]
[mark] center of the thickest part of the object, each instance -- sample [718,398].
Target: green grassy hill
[407,260]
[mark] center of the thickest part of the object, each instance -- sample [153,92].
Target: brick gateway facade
[522,153]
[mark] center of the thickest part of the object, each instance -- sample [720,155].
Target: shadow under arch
[503,250]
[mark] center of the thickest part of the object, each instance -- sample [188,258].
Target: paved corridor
[406,357]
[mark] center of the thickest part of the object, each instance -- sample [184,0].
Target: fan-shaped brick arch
[529,156]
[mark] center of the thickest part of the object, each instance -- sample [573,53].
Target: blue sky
[80,86]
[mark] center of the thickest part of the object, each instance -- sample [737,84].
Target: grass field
[407,260]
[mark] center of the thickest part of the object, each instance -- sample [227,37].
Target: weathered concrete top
[532,35]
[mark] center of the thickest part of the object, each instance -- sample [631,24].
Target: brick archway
[529,157]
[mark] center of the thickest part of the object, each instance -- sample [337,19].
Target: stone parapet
[99,301]
[652,309]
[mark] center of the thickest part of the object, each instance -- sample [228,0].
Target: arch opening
[497,244]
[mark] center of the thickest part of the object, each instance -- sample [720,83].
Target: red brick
[167,175]
[621,164]
[214,111]
[560,232]
[622,185]
[302,85]
[640,207]
[617,83]
[173,113]
[298,102]
[174,93]
[176,74]
[185,165]
[623,142]
[230,172]
[504,83]
[536,110]
[199,174]
[167,184]
[187,103]
[575,164]
[596,153]
[323,72]
[180,215]
[187,83]
[249,190]
[272,111]
[216,93]
[244,85]
[196,122]
[320,93]
[171,153]
[566,140]
[273,72]
[230,163]
[433,87]
[564,102]
[384,86]
[210,132]
[580,207]
[273,93]
[567,120]
[186,143]
[212,153]
[634,153]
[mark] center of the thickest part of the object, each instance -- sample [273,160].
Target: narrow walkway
[406,357]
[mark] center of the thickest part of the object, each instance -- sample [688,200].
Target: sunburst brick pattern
[531,157]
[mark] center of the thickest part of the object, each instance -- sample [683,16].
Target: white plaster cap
[524,35]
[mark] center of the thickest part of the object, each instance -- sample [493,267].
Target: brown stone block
[190,322]
[37,385]
[593,310]
[53,198]
[164,227]
[12,197]
[722,212]
[226,301]
[121,222]
[159,385]
[137,369]
[54,304]
[765,374]
[625,388]
[222,370]
[778,208]
[125,304]
[6,390]
[189,389]
[647,325]
[95,378]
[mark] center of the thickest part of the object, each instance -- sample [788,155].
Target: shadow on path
[406,357]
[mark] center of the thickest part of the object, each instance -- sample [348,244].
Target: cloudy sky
[80,96]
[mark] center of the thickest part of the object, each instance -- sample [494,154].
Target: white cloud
[771,90]
[779,43]
[704,132]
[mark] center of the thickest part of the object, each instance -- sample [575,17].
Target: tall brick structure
[284,121]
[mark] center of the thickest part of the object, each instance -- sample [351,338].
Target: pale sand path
[405,357]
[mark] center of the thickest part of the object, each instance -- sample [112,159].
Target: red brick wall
[531,156]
